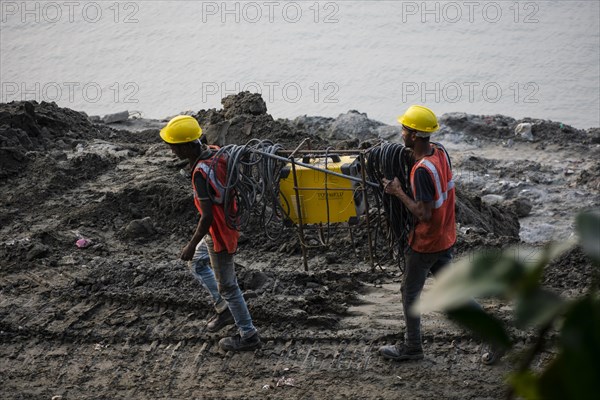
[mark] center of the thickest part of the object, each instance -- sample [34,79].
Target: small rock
[140,227]
[250,294]
[312,285]
[139,280]
[37,251]
[492,199]
[521,206]
[524,130]
[255,280]
[116,117]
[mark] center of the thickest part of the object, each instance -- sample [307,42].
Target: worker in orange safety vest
[182,134]
[432,203]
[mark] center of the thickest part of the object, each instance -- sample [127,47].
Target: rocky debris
[351,126]
[484,223]
[245,103]
[244,117]
[471,128]
[31,126]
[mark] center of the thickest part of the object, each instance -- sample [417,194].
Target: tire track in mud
[76,342]
[180,368]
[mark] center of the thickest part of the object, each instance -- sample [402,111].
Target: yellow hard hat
[419,118]
[181,129]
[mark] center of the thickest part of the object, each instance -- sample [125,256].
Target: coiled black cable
[390,160]
[252,180]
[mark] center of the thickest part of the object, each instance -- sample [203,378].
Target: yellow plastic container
[345,201]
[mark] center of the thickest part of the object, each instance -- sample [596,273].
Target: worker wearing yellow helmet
[213,234]
[432,203]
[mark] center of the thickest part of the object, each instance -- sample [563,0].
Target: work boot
[491,354]
[401,352]
[237,343]
[220,321]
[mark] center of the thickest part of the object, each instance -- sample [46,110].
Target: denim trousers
[418,266]
[228,288]
[201,270]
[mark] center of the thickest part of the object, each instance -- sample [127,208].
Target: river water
[538,59]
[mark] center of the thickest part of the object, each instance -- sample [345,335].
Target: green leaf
[485,326]
[487,275]
[588,227]
[575,373]
[537,307]
[525,384]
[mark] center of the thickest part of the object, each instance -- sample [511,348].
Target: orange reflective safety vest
[223,236]
[439,233]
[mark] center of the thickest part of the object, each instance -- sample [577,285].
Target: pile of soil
[244,117]
[501,127]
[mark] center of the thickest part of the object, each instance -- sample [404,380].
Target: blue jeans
[200,267]
[224,270]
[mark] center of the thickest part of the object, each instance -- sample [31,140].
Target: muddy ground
[123,318]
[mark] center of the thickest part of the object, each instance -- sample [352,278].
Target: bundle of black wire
[391,160]
[252,180]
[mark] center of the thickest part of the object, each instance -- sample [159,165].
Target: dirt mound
[482,225]
[571,271]
[244,117]
[501,127]
[31,126]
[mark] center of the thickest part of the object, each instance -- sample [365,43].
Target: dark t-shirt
[424,189]
[200,183]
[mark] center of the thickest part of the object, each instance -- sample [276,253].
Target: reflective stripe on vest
[209,175]
[443,196]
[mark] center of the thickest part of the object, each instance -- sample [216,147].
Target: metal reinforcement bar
[326,171]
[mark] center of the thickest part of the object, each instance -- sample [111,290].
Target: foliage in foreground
[575,371]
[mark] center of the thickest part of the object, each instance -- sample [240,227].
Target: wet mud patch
[285,300]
